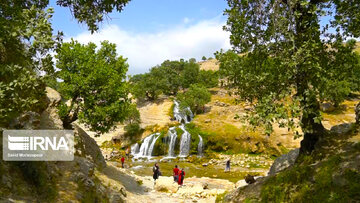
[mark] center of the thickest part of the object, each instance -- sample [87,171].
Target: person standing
[227,167]
[122,161]
[181,177]
[127,152]
[176,173]
[156,172]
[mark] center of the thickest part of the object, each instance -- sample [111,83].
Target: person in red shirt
[122,161]
[181,176]
[176,173]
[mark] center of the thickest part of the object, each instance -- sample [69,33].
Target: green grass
[304,183]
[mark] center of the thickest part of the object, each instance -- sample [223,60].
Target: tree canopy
[286,52]
[94,81]
[170,77]
[195,98]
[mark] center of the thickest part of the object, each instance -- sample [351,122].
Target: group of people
[178,174]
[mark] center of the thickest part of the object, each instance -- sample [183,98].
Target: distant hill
[210,64]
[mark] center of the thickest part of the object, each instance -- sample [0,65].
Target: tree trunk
[312,130]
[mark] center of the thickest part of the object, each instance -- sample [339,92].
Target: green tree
[94,81]
[133,115]
[208,78]
[190,74]
[146,86]
[26,41]
[203,58]
[195,97]
[287,53]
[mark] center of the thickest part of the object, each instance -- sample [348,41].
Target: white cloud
[145,50]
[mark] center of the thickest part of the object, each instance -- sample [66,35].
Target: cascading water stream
[200,146]
[135,149]
[184,142]
[151,148]
[172,135]
[146,147]
[183,116]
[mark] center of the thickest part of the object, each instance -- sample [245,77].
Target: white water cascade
[172,135]
[135,149]
[146,147]
[184,142]
[182,116]
[200,146]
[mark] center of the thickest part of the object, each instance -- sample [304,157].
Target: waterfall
[172,135]
[151,148]
[134,149]
[184,142]
[146,147]
[182,116]
[200,146]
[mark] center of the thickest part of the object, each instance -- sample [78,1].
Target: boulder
[342,129]
[49,118]
[249,179]
[284,161]
[29,120]
[327,107]
[240,183]
[166,184]
[52,97]
[85,146]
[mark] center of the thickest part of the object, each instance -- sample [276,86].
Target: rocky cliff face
[74,181]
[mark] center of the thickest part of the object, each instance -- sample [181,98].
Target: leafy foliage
[92,12]
[285,52]
[196,97]
[26,41]
[94,81]
[169,78]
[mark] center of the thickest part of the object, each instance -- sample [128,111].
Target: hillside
[329,174]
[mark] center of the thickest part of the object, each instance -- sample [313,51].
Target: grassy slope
[330,174]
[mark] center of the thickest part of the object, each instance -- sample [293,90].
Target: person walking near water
[176,173]
[227,167]
[122,161]
[181,177]
[156,172]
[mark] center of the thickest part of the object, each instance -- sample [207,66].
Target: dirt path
[143,192]
[136,192]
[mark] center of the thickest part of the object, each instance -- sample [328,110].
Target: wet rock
[284,161]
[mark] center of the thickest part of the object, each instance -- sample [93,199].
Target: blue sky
[149,32]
